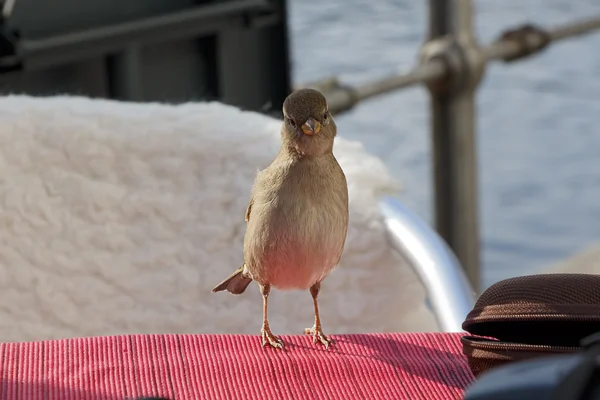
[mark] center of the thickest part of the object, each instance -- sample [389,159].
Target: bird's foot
[318,336]
[270,338]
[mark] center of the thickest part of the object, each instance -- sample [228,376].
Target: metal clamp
[529,38]
[464,64]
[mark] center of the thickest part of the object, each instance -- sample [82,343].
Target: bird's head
[308,127]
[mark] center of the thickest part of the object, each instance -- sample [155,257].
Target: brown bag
[531,316]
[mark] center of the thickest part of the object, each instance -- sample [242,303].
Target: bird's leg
[316,331]
[265,331]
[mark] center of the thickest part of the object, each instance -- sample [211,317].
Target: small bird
[297,217]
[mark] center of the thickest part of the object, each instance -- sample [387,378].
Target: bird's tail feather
[235,283]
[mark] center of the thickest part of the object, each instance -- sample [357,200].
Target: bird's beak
[311,127]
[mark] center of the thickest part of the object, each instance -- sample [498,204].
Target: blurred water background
[538,136]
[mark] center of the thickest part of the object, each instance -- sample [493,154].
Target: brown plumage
[297,218]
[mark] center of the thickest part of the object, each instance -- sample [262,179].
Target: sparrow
[297,217]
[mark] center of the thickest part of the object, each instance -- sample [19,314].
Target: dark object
[531,316]
[234,51]
[561,377]
[8,50]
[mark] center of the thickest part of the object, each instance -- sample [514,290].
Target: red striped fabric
[417,366]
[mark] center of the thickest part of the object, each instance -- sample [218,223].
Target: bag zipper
[486,344]
[537,317]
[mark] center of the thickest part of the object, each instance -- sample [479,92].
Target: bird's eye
[292,122]
[326,115]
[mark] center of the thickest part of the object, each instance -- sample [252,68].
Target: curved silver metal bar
[7,8]
[450,294]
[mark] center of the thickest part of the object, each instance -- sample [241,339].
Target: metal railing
[452,64]
[190,22]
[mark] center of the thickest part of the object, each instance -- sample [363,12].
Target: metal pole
[453,130]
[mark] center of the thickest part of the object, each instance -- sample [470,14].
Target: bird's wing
[258,183]
[252,191]
[249,208]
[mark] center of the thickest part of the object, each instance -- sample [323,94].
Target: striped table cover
[364,366]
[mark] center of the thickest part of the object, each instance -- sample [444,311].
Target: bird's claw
[270,338]
[318,336]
